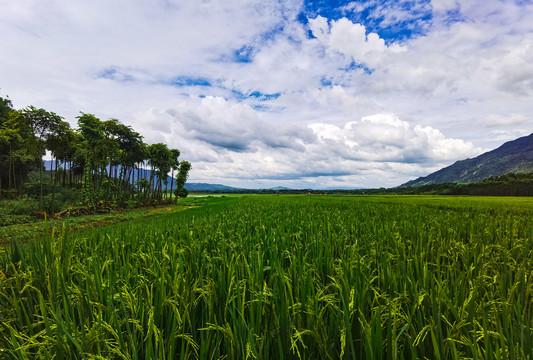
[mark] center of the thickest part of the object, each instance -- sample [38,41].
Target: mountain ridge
[513,156]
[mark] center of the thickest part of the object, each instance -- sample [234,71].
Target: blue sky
[393,21]
[283,93]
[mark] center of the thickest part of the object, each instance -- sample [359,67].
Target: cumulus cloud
[386,138]
[350,39]
[228,127]
[228,148]
[214,123]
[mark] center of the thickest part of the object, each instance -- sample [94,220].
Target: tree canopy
[107,160]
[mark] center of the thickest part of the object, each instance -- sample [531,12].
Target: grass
[280,277]
[24,227]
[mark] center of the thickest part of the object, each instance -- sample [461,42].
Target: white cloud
[386,138]
[444,5]
[503,120]
[351,39]
[515,69]
[229,141]
[389,14]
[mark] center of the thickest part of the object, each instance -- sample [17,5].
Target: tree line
[511,184]
[106,161]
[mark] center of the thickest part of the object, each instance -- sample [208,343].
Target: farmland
[280,277]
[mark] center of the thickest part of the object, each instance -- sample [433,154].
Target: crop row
[279,277]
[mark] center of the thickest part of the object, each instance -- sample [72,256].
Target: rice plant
[280,277]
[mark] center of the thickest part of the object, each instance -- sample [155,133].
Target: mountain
[343,188]
[199,187]
[514,156]
[279,188]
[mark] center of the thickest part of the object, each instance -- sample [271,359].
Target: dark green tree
[129,152]
[160,159]
[90,127]
[59,143]
[42,124]
[6,138]
[175,155]
[101,157]
[183,175]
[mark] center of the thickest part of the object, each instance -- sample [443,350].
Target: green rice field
[280,277]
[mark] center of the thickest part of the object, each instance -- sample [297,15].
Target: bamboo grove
[106,160]
[281,277]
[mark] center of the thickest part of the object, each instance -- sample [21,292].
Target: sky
[266,93]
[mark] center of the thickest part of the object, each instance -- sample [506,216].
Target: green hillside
[512,157]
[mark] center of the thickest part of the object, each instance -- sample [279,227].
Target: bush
[183,192]
[33,188]
[22,206]
[6,220]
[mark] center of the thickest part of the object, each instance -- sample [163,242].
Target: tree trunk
[14,176]
[126,183]
[41,185]
[53,190]
[139,176]
[160,191]
[118,177]
[171,183]
[9,168]
[64,173]
[150,185]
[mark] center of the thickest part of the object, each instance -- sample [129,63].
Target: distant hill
[514,156]
[199,187]
[279,188]
[343,188]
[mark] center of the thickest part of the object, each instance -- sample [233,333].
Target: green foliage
[159,156]
[5,108]
[18,150]
[101,159]
[281,277]
[182,193]
[6,220]
[23,205]
[183,175]
[511,184]
[90,127]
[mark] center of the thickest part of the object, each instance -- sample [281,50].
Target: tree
[90,127]
[160,158]
[183,175]
[175,154]
[18,151]
[130,152]
[6,107]
[42,124]
[183,193]
[10,145]
[58,142]
[102,157]
[6,136]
